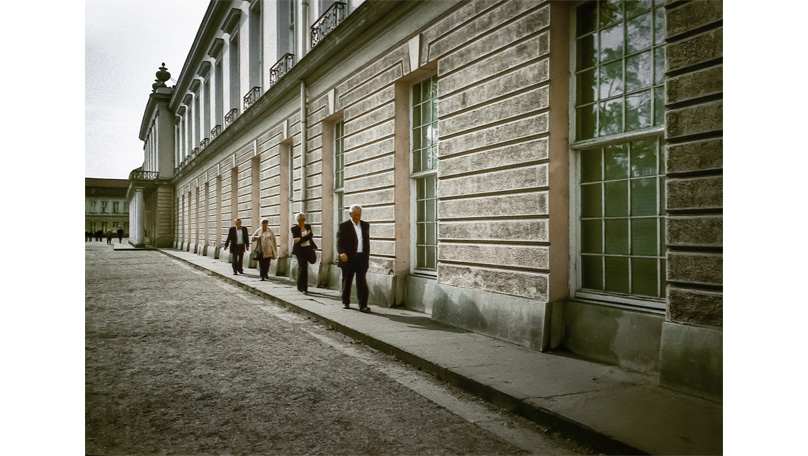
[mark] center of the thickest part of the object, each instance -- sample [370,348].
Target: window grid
[424,171]
[620,67]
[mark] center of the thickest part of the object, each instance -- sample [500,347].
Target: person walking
[237,238]
[303,250]
[266,246]
[120,235]
[109,237]
[353,246]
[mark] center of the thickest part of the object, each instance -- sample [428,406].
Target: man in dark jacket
[353,246]
[238,237]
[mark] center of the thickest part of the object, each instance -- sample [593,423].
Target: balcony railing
[281,68]
[138,175]
[327,22]
[203,144]
[251,97]
[217,130]
[230,117]
[194,153]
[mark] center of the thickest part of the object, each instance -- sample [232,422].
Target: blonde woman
[264,243]
[304,250]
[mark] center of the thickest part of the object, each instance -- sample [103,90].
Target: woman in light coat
[264,242]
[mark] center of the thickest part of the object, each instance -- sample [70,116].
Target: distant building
[106,207]
[544,172]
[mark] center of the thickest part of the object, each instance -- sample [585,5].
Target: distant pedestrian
[267,247]
[353,246]
[87,236]
[237,238]
[98,235]
[120,235]
[304,250]
[109,237]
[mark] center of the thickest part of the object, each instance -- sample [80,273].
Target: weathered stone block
[377,165]
[534,203]
[373,84]
[511,82]
[516,106]
[499,62]
[364,105]
[695,306]
[695,156]
[695,193]
[493,136]
[695,50]
[382,113]
[694,85]
[507,180]
[692,120]
[515,283]
[530,257]
[492,230]
[692,360]
[704,231]
[373,182]
[372,134]
[510,155]
[364,152]
[373,198]
[692,15]
[696,268]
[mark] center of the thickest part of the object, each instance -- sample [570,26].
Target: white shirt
[358,228]
[304,243]
[239,236]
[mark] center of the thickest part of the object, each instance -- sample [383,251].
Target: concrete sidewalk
[614,411]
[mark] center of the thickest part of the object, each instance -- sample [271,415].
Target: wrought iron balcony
[230,117]
[203,144]
[217,130]
[251,97]
[140,175]
[281,68]
[327,22]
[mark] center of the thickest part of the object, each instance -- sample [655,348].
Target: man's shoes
[235,273]
[346,306]
[241,271]
[365,309]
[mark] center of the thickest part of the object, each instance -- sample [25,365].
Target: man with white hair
[353,246]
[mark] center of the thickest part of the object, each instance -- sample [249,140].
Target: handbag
[257,254]
[311,255]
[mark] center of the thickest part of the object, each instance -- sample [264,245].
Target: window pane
[431,234]
[431,258]
[416,116]
[611,80]
[430,213]
[416,94]
[586,16]
[611,117]
[591,165]
[663,247]
[638,111]
[617,274]
[659,65]
[427,113]
[643,197]
[587,51]
[590,200]
[616,199]
[644,236]
[586,121]
[617,236]
[639,72]
[662,277]
[421,234]
[611,43]
[659,26]
[430,185]
[419,189]
[421,257]
[616,161]
[662,204]
[637,6]
[638,33]
[644,276]
[643,158]
[592,272]
[425,90]
[659,106]
[587,86]
[611,11]
[591,236]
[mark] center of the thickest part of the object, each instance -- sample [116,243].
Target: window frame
[656,132]
[414,178]
[339,192]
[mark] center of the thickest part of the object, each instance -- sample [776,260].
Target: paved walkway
[615,411]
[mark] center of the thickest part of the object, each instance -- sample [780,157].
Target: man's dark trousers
[238,256]
[357,266]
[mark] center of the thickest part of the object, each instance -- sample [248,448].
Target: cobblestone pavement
[179,362]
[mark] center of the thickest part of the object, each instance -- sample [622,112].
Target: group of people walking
[98,235]
[353,247]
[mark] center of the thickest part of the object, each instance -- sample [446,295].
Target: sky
[125,43]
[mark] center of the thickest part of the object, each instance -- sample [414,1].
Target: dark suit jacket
[307,237]
[231,237]
[347,242]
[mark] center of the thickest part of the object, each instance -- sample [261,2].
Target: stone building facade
[106,207]
[544,172]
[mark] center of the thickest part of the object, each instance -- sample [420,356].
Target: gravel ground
[178,362]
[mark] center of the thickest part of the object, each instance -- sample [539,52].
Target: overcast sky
[125,43]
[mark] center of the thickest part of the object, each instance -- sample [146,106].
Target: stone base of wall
[622,337]
[692,360]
